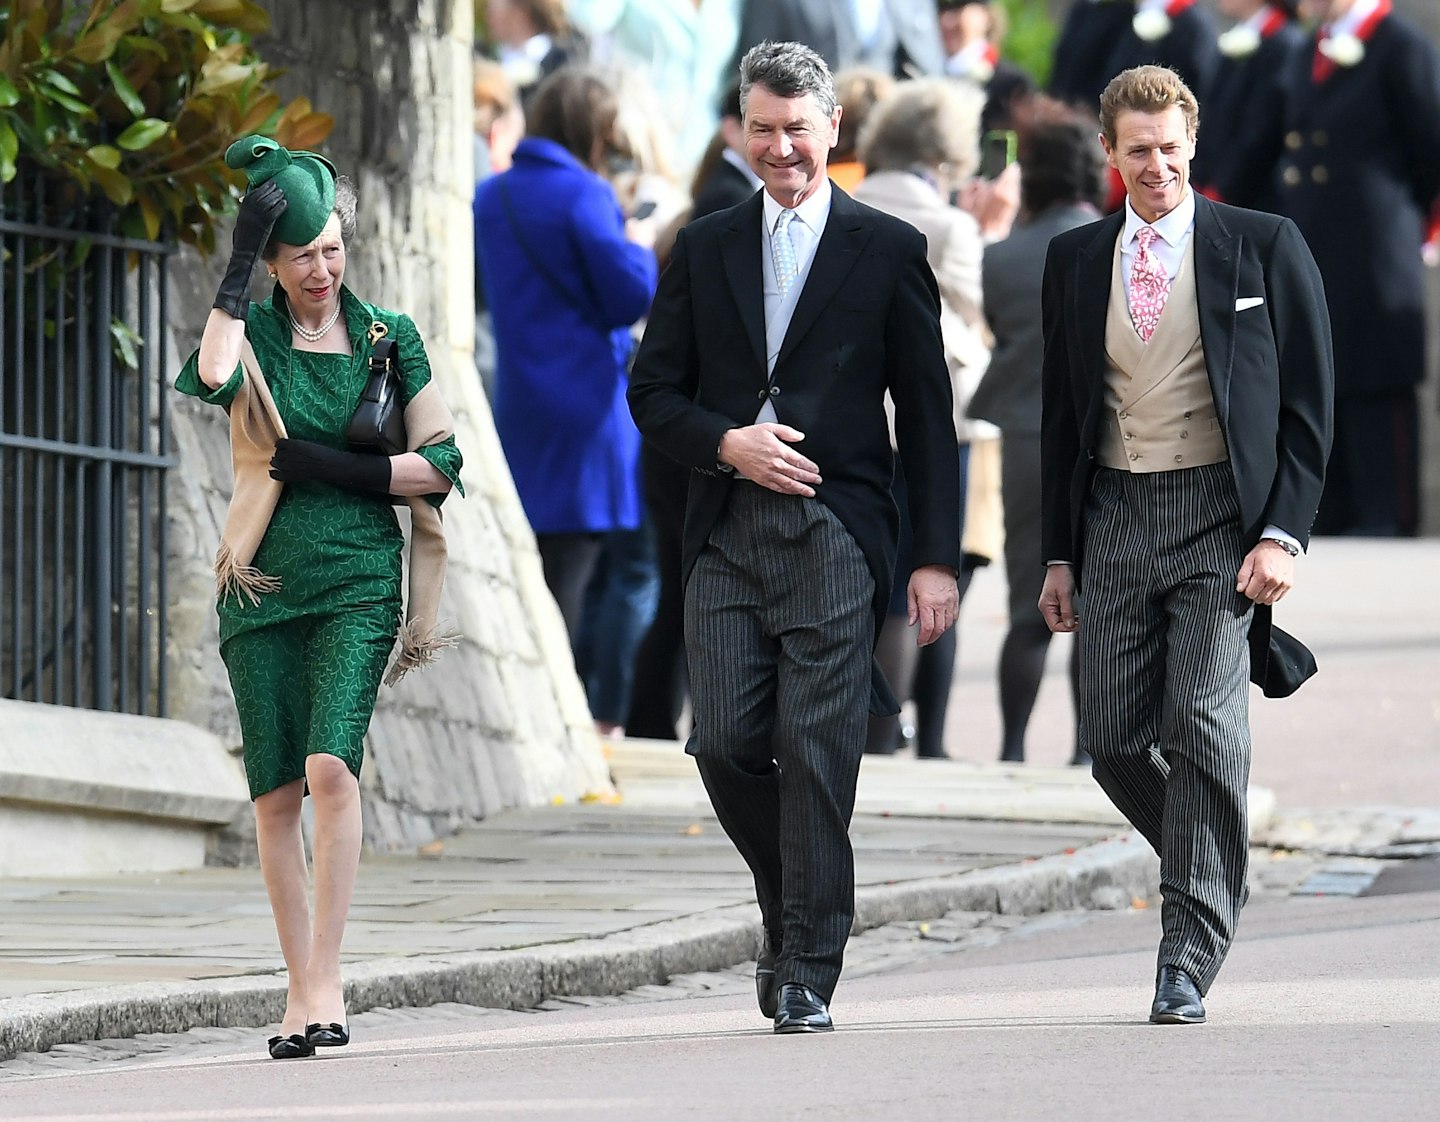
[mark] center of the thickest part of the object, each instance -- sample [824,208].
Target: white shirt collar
[1352,19]
[1173,227]
[812,212]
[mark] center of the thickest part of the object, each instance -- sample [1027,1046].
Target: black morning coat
[1242,123]
[1359,172]
[1271,374]
[866,321]
[1098,41]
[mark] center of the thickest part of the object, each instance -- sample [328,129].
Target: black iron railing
[84,447]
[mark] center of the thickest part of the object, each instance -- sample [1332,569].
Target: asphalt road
[1328,1008]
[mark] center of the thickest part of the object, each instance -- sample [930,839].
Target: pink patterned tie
[1149,286]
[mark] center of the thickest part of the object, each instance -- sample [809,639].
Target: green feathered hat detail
[307,178]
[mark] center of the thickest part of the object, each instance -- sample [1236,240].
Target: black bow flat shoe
[292,1047]
[333,1035]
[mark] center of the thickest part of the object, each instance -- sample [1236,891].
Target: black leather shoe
[291,1047]
[1177,999]
[333,1035]
[767,987]
[801,1009]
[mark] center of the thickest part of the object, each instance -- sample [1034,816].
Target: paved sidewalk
[538,904]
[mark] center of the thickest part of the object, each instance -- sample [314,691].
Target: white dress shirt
[805,231]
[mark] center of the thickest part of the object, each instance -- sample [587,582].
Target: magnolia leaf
[104,155]
[60,82]
[73,104]
[258,114]
[177,5]
[117,187]
[138,44]
[142,134]
[97,44]
[9,146]
[222,79]
[9,95]
[125,91]
[127,342]
[151,213]
[308,131]
[240,14]
[220,11]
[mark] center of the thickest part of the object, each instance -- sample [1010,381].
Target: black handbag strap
[586,308]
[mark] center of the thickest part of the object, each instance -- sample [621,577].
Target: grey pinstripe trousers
[779,633]
[1164,702]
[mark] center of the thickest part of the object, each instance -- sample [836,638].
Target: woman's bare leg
[282,863]
[336,852]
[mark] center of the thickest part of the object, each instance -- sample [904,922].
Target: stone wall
[501,720]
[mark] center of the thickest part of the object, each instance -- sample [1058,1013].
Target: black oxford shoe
[801,1009]
[767,987]
[1177,999]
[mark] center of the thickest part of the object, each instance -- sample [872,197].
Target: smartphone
[644,210]
[997,152]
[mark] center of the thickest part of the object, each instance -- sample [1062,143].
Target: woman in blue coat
[565,278]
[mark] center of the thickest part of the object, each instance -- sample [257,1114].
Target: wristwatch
[1289,547]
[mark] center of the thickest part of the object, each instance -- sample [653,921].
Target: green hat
[307,178]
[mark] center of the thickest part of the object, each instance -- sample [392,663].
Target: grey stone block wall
[501,720]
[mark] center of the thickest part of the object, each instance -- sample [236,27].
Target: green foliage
[138,100]
[1030,43]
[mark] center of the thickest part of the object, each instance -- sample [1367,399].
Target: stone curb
[1106,875]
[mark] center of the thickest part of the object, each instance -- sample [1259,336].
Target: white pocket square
[1247,302]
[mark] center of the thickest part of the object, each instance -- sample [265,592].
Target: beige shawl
[255,426]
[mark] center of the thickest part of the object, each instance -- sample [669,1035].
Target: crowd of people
[603,127]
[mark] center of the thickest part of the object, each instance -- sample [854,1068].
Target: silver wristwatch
[1289,547]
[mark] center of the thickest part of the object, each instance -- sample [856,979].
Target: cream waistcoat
[1159,413]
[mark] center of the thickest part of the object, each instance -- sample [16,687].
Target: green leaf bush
[137,101]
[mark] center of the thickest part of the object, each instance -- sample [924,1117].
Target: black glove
[304,461]
[259,211]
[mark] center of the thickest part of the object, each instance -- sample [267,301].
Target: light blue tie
[782,249]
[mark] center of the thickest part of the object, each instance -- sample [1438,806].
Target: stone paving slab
[581,900]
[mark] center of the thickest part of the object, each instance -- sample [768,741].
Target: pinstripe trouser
[779,632]
[1164,702]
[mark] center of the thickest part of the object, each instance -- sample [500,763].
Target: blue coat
[564,286]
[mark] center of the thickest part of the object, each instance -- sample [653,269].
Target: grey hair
[345,204]
[925,123]
[787,70]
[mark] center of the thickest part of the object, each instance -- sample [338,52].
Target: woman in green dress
[310,567]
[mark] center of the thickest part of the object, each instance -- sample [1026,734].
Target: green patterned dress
[305,663]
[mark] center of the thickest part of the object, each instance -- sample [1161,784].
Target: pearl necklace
[321,331]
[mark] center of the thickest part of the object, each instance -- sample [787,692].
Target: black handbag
[378,425]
